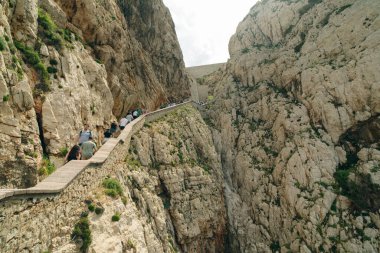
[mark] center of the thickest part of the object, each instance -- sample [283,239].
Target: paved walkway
[63,176]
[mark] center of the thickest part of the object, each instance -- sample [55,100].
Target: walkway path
[64,176]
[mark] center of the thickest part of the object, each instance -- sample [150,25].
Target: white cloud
[204,27]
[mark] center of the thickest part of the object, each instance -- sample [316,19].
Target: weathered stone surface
[137,43]
[182,180]
[302,77]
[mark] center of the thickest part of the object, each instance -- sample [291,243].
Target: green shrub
[53,62]
[63,151]
[47,167]
[52,70]
[53,39]
[48,30]
[132,162]
[45,21]
[31,57]
[67,35]
[5,98]
[82,233]
[44,75]
[91,207]
[99,210]
[111,192]
[113,187]
[2,44]
[115,217]
[275,246]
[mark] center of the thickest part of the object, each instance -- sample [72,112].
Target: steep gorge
[287,162]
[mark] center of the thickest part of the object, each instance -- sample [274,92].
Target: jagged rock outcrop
[66,63]
[302,77]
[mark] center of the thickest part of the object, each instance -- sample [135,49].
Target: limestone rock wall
[137,43]
[92,67]
[301,86]
[19,132]
[178,165]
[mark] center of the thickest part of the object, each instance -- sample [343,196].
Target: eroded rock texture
[180,168]
[300,88]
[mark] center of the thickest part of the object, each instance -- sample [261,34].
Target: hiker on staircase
[84,134]
[88,149]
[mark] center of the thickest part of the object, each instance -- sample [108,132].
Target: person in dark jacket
[74,154]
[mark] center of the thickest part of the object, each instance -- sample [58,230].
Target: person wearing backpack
[88,149]
[84,135]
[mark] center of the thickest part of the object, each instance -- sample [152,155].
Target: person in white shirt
[123,122]
[84,134]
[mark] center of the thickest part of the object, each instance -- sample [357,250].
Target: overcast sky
[204,27]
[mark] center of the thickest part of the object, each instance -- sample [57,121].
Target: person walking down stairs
[88,149]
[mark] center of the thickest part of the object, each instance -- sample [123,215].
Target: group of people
[86,146]
[131,115]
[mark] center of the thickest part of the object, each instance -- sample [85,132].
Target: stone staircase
[65,175]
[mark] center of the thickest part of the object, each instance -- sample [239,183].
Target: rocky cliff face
[173,195]
[65,63]
[296,122]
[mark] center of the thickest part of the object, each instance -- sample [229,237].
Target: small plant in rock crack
[116,217]
[113,187]
[99,210]
[82,234]
[91,207]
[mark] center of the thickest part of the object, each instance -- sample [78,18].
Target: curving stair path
[65,175]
